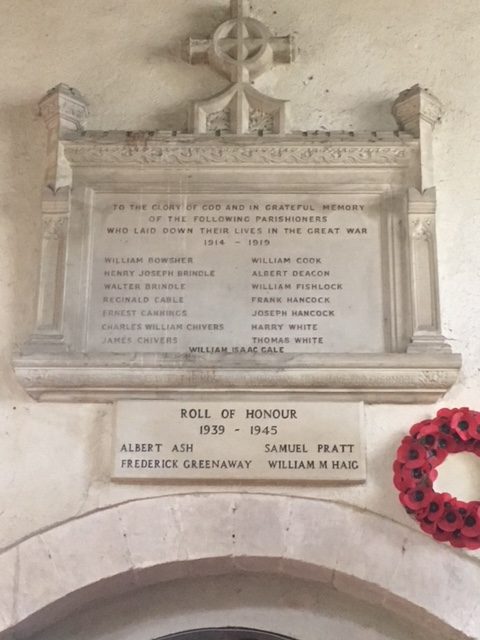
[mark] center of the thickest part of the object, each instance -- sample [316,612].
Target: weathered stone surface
[123,548]
[80,553]
[108,325]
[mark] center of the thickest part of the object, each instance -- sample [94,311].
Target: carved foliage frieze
[79,154]
[261,121]
[218,121]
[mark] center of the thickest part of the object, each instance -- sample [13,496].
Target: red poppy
[412,454]
[476,448]
[474,425]
[411,478]
[416,499]
[432,475]
[442,536]
[428,526]
[462,422]
[427,440]
[447,443]
[451,520]
[472,543]
[458,540]
[460,505]
[471,523]
[417,428]
[436,508]
[431,427]
[468,446]
[446,413]
[436,456]
[397,466]
[401,483]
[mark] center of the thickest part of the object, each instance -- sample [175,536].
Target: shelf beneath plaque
[386,378]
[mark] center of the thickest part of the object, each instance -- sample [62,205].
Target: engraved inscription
[241,440]
[252,274]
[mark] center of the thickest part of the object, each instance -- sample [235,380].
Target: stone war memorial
[240,256]
[239,262]
[241,324]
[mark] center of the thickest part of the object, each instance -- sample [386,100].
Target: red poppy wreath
[441,515]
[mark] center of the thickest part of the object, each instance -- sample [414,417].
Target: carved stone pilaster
[55,217]
[417,112]
[426,335]
[63,110]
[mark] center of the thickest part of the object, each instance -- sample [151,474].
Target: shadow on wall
[22,166]
[290,608]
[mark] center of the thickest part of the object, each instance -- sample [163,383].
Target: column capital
[414,107]
[63,108]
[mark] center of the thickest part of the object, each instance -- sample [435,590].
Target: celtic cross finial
[241,49]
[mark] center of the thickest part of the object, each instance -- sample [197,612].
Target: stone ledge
[386,378]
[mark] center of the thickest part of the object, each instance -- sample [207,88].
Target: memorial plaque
[242,274]
[277,441]
[240,256]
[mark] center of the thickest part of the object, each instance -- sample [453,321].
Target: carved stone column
[63,110]
[417,111]
[423,272]
[55,210]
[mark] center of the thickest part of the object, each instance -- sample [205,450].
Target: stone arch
[146,542]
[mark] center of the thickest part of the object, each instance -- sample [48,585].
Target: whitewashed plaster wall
[123,55]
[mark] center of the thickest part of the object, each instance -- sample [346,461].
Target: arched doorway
[225,633]
[116,552]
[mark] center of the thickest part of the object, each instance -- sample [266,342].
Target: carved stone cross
[241,49]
